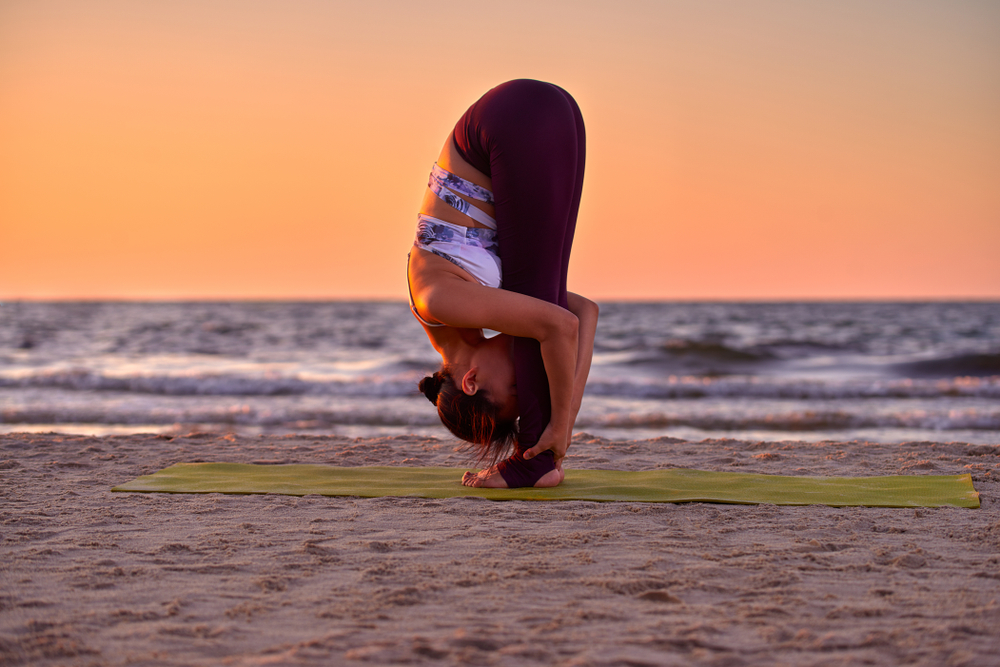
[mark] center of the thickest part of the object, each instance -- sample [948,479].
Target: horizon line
[393,299]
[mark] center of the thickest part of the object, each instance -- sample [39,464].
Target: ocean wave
[398,382]
[693,387]
[238,415]
[229,384]
[976,365]
[685,356]
[712,351]
[808,420]
[313,418]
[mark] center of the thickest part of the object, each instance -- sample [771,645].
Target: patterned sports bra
[473,249]
[445,184]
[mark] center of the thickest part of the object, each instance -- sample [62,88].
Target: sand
[92,577]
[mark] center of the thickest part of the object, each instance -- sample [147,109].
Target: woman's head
[468,410]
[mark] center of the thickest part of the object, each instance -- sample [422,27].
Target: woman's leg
[534,137]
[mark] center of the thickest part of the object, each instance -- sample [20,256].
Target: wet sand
[93,577]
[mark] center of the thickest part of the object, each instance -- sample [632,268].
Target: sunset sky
[737,150]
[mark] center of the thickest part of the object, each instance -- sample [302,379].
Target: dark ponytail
[431,386]
[475,419]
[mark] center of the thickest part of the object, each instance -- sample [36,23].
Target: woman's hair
[475,419]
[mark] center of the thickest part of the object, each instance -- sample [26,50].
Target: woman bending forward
[500,212]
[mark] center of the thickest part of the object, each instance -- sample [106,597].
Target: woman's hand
[553,438]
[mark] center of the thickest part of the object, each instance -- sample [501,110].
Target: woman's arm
[460,303]
[587,312]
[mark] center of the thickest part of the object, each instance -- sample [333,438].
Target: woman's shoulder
[430,276]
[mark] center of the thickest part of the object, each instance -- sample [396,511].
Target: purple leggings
[528,136]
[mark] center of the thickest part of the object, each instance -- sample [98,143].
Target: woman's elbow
[560,325]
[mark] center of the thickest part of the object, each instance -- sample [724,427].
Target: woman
[501,210]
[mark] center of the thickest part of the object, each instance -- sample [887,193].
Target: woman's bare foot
[488,478]
[491,479]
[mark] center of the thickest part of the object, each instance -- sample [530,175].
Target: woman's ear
[469,383]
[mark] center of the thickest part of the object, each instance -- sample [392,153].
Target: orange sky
[279,150]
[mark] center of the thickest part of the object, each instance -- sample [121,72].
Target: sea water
[886,372]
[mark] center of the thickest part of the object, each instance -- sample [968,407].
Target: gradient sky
[737,150]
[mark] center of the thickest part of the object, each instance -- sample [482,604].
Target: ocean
[884,372]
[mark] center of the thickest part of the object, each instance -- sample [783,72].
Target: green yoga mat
[653,486]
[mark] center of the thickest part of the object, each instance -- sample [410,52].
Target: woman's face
[496,374]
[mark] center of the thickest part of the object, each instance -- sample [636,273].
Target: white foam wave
[807,420]
[321,412]
[309,418]
[676,387]
[267,380]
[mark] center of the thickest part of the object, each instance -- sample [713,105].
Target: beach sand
[93,577]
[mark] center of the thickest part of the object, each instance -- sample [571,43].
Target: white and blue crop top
[473,249]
